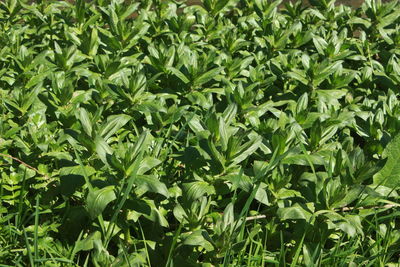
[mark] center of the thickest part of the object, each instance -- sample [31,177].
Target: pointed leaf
[389,175]
[208,76]
[97,200]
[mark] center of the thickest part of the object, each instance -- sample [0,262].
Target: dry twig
[23,163]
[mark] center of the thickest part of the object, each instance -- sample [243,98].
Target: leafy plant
[169,133]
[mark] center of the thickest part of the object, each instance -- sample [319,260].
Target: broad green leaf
[229,216]
[87,243]
[196,238]
[152,184]
[147,164]
[195,190]
[262,196]
[98,199]
[37,79]
[102,149]
[389,175]
[85,121]
[179,74]
[358,20]
[320,44]
[296,212]
[247,149]
[303,160]
[207,76]
[112,125]
[298,75]
[353,194]
[72,178]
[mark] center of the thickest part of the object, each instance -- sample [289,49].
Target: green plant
[152,133]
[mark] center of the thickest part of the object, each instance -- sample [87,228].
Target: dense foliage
[238,132]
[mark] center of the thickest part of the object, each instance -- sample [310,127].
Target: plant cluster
[235,132]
